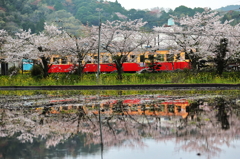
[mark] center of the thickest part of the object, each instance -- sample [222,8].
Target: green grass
[128,78]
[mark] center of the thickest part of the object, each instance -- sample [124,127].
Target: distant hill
[230,12]
[230,8]
[71,14]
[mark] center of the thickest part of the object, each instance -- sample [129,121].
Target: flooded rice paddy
[119,126]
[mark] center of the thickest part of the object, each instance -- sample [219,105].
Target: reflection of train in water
[160,60]
[143,107]
[136,107]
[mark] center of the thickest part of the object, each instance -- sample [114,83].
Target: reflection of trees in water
[27,133]
[206,128]
[11,147]
[55,128]
[223,112]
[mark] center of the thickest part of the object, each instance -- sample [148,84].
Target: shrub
[36,71]
[14,70]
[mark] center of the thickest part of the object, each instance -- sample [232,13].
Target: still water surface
[120,127]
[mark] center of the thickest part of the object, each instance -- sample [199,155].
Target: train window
[133,58]
[88,59]
[150,57]
[170,57]
[142,58]
[124,58]
[178,57]
[179,108]
[161,108]
[64,60]
[95,59]
[56,60]
[105,59]
[170,108]
[186,56]
[160,57]
[71,59]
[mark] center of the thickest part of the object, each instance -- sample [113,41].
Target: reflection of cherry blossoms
[208,127]
[203,130]
[30,125]
[55,128]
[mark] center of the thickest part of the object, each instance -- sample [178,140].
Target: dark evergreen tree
[221,52]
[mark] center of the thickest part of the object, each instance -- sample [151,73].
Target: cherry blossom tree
[18,47]
[79,47]
[47,44]
[188,34]
[3,39]
[120,38]
[199,36]
[149,48]
[50,42]
[25,45]
[220,44]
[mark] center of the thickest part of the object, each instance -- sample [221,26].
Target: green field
[183,77]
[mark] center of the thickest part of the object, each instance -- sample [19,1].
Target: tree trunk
[193,59]
[119,63]
[119,71]
[221,115]
[220,60]
[45,66]
[220,66]
[80,67]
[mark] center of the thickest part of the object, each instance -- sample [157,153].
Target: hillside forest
[71,14]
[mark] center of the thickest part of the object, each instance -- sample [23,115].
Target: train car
[157,61]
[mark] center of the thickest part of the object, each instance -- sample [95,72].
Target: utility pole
[99,38]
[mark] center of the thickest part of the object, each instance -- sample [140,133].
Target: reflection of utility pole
[100,126]
[99,38]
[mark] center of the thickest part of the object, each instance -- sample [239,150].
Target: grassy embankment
[134,78]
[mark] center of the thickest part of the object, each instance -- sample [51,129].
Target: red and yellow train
[160,60]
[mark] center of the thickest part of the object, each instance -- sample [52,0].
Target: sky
[172,4]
